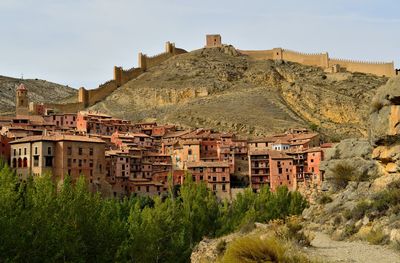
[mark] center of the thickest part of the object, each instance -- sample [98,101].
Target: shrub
[377,237]
[387,198]
[349,230]
[347,214]
[360,210]
[343,173]
[251,249]
[337,220]
[291,230]
[324,199]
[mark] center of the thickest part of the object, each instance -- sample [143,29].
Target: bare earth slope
[222,89]
[39,91]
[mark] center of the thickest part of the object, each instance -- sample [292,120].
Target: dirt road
[342,251]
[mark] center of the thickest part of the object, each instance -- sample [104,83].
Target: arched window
[19,162]
[25,162]
[14,163]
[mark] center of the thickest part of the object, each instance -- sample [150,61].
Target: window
[19,151]
[80,151]
[223,188]
[223,178]
[280,170]
[14,163]
[147,189]
[36,161]
[69,171]
[48,161]
[214,187]
[287,177]
[49,150]
[190,152]
[36,152]
[15,152]
[80,163]
[24,151]
[69,150]
[312,160]
[69,161]
[214,178]
[201,178]
[90,151]
[19,162]
[239,169]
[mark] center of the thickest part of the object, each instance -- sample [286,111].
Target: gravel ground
[342,251]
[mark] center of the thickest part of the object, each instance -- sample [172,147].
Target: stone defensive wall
[322,60]
[376,68]
[67,108]
[87,98]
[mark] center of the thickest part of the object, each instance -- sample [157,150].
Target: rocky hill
[222,89]
[39,91]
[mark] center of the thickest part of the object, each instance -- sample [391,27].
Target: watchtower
[22,101]
[213,40]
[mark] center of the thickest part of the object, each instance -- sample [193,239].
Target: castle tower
[83,96]
[213,41]
[22,101]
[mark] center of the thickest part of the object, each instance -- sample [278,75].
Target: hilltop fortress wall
[87,98]
[322,60]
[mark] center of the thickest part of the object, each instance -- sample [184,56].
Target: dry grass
[253,249]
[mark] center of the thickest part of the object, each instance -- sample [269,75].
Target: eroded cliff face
[220,88]
[367,206]
[385,125]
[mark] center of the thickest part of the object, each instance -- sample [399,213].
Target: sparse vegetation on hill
[219,88]
[39,91]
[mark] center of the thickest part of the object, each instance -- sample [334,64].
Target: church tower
[22,101]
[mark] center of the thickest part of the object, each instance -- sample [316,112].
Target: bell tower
[22,101]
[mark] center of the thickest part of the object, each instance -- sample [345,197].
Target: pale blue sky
[77,43]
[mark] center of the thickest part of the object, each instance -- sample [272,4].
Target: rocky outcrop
[365,208]
[385,125]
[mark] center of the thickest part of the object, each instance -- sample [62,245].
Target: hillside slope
[222,89]
[39,91]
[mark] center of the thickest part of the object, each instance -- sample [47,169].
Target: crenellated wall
[88,98]
[376,68]
[322,60]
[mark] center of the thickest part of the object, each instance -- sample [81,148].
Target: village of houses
[119,158]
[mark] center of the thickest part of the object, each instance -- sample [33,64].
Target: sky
[77,42]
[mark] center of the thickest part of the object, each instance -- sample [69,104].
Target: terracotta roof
[21,87]
[176,134]
[303,136]
[273,153]
[191,142]
[77,138]
[279,155]
[207,164]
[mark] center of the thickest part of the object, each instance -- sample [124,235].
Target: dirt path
[342,251]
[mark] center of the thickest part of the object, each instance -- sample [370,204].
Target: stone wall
[88,98]
[322,60]
[376,68]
